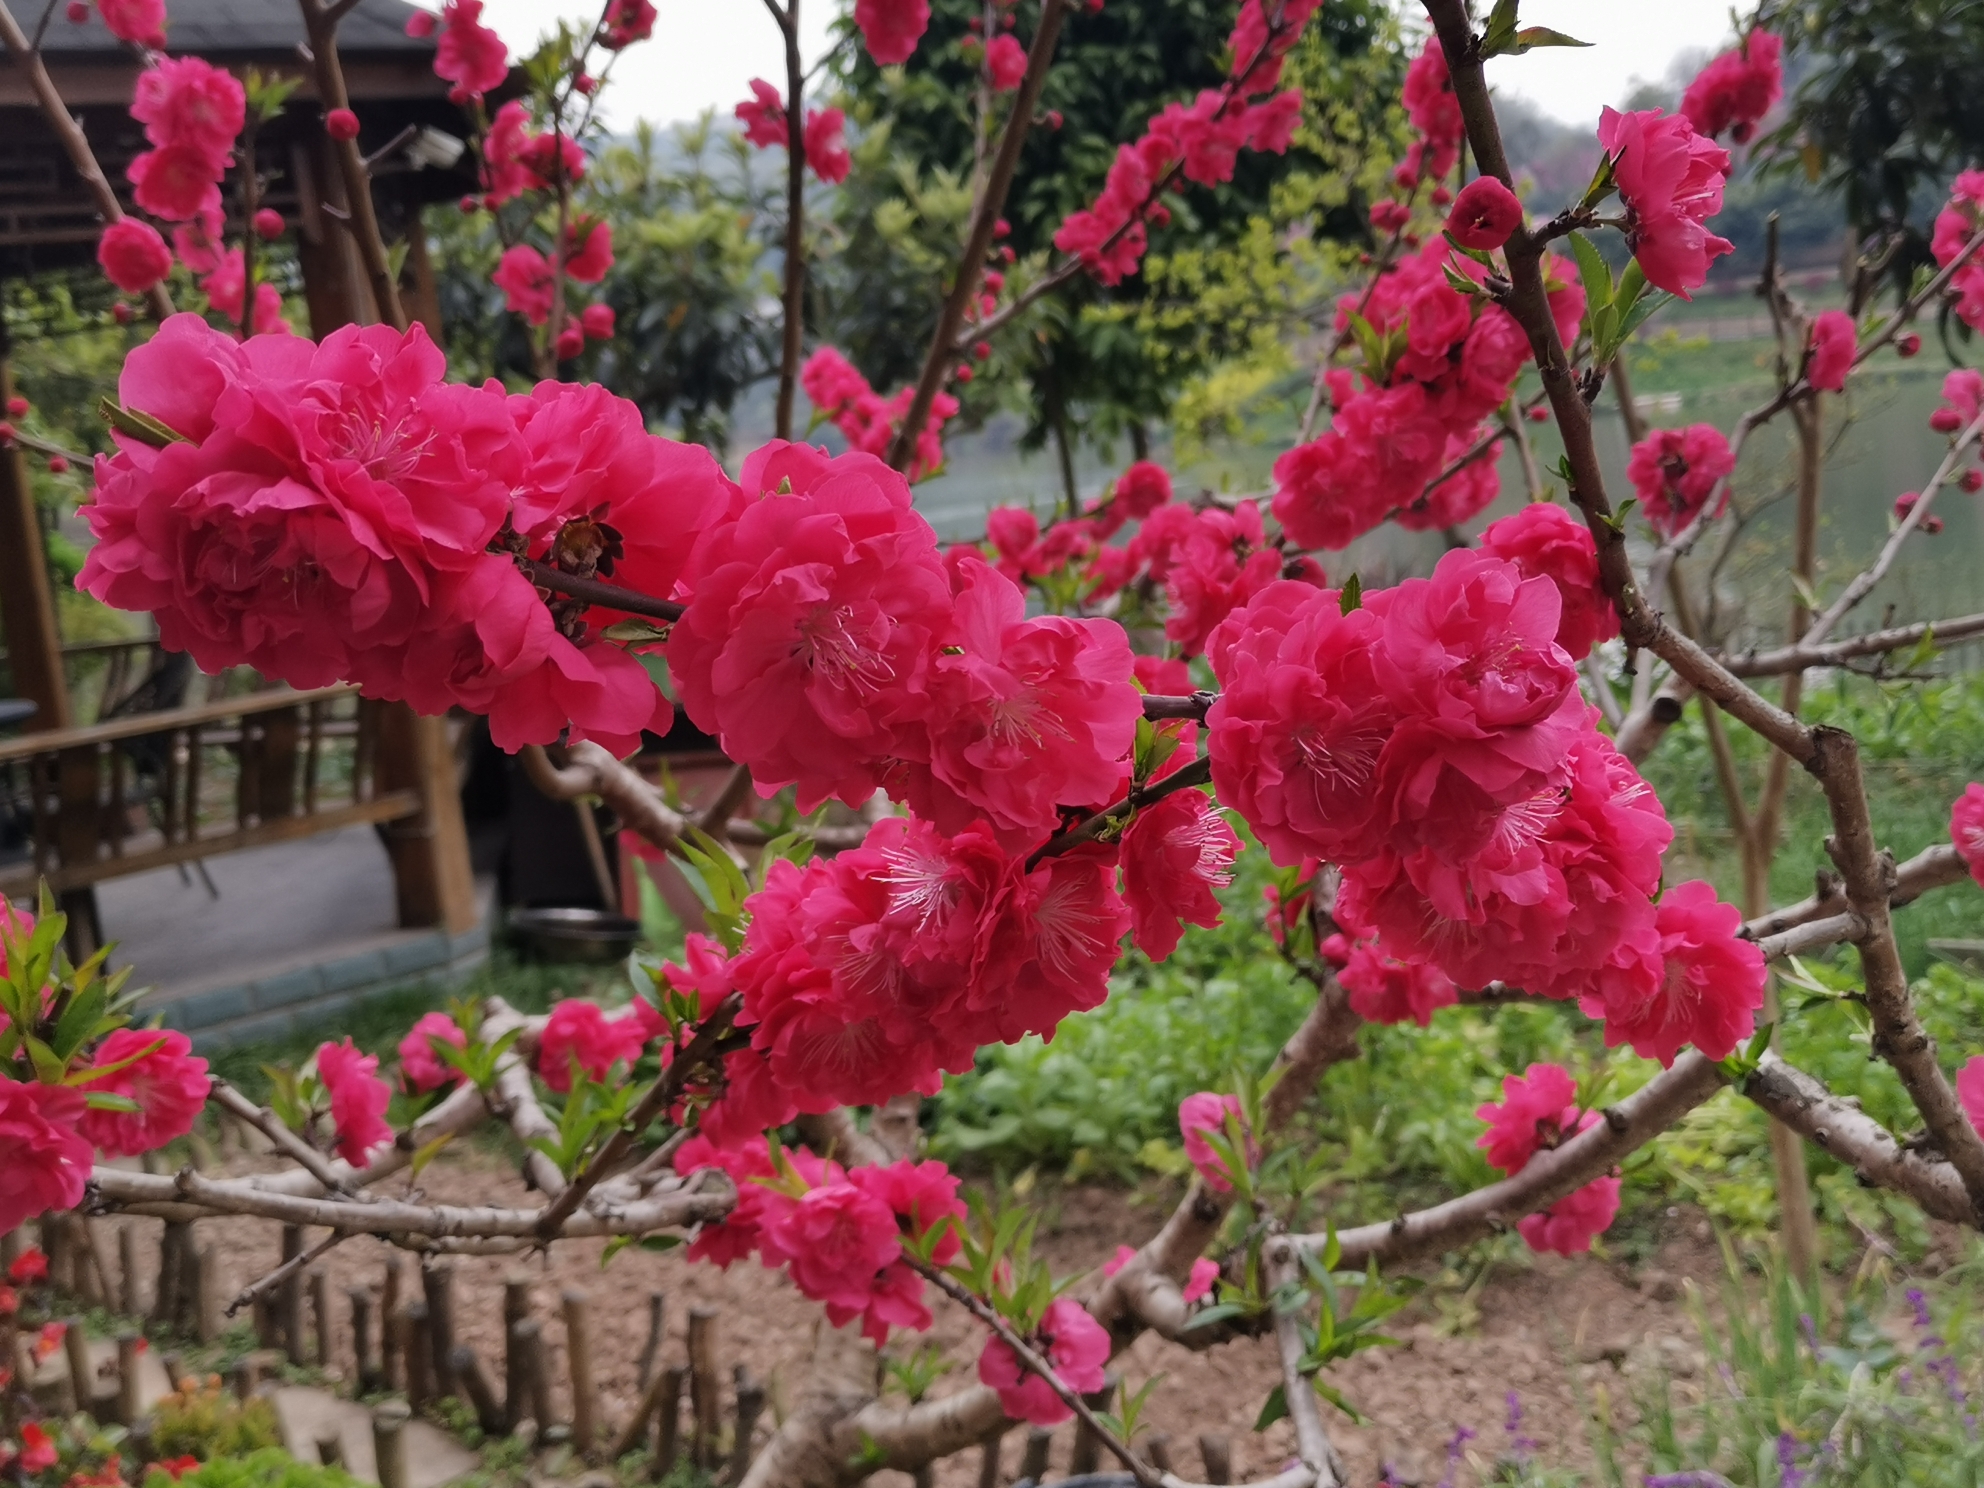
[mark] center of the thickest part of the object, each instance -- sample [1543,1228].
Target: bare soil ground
[1557,1334]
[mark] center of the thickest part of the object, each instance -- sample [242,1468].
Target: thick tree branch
[1548,1177]
[1841,1128]
[1868,874]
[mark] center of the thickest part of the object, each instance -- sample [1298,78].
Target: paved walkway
[276,903]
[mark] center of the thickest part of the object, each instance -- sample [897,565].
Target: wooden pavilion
[285,751]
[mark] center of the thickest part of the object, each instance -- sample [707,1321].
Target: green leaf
[428,1153]
[95,1072]
[49,1067]
[1274,1409]
[660,1243]
[103,1100]
[139,426]
[1334,1396]
[1532,37]
[634,632]
[1352,597]
[1480,255]
[1595,273]
[79,1020]
[1459,283]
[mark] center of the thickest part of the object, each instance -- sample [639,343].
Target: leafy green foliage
[209,1422]
[1884,116]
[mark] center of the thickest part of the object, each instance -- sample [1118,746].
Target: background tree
[1105,363]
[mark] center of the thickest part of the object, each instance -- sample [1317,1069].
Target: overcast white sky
[705,52]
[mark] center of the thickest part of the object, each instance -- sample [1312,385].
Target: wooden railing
[163,788]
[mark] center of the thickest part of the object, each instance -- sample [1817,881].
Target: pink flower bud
[341,124]
[571,341]
[420,25]
[58,465]
[78,11]
[1908,345]
[981,350]
[1485,214]
[268,224]
[963,373]
[17,407]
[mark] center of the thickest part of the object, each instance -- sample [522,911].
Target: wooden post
[208,1323]
[536,1373]
[1033,1462]
[467,1371]
[1217,1454]
[657,1315]
[247,1376]
[750,1405]
[82,1369]
[1087,1454]
[330,1449]
[334,284]
[389,1420]
[988,1460]
[392,1361]
[92,1274]
[705,1387]
[320,1314]
[1157,1451]
[635,1431]
[578,1362]
[419,293]
[55,1248]
[360,1301]
[417,1341]
[668,1424]
[27,600]
[437,1284]
[431,875]
[131,1288]
[130,1383]
[289,1300]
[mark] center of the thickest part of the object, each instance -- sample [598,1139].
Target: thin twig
[597,591]
[978,242]
[269,1283]
[1031,1360]
[666,1090]
[1891,549]
[1198,772]
[286,1141]
[75,144]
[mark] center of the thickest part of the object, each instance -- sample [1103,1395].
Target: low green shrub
[270,1467]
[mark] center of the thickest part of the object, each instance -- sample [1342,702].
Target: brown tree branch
[661,1096]
[978,242]
[794,329]
[320,22]
[75,144]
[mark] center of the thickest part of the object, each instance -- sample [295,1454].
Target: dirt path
[1539,1328]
